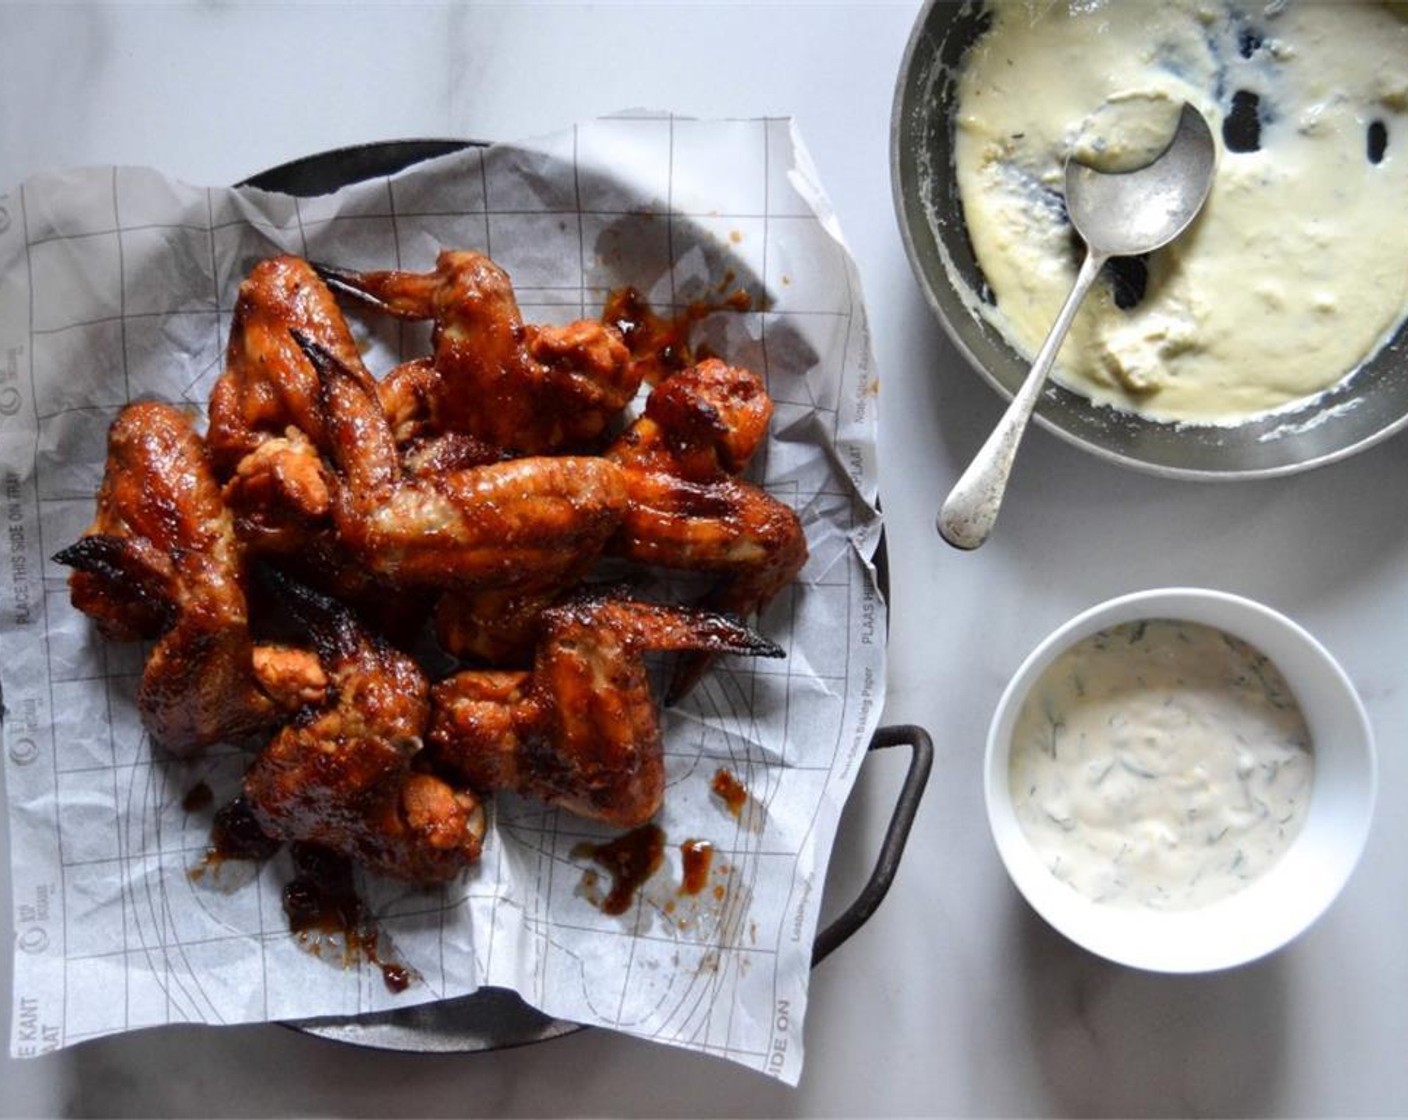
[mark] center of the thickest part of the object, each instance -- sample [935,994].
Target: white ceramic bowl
[1296,890]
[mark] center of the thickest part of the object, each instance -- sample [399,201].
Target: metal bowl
[1360,411]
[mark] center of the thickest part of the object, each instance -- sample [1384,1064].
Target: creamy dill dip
[1160,764]
[1296,271]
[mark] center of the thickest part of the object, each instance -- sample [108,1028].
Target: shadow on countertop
[1116,1041]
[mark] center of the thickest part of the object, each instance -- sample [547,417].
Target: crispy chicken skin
[161,561]
[580,729]
[343,774]
[529,389]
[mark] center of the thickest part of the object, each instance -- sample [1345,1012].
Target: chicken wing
[281,497]
[580,729]
[703,423]
[266,433]
[530,389]
[345,775]
[161,561]
[689,511]
[268,385]
[487,526]
[499,626]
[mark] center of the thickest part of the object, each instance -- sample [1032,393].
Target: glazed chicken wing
[161,561]
[269,437]
[268,385]
[281,497]
[704,423]
[689,511]
[487,526]
[345,777]
[531,389]
[266,435]
[579,730]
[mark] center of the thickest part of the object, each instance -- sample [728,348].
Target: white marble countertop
[954,999]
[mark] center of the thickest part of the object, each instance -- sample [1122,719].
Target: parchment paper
[117,283]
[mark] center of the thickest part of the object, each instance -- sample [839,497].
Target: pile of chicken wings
[286,562]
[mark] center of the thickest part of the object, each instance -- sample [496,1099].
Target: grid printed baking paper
[118,283]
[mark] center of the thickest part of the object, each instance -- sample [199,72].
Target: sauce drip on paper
[235,834]
[660,344]
[698,856]
[732,791]
[322,904]
[630,859]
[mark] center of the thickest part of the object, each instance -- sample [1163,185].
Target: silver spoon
[1117,214]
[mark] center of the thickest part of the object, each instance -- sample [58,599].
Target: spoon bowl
[1123,214]
[1116,214]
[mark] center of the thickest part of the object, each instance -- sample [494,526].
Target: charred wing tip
[95,553]
[296,595]
[766,647]
[733,635]
[332,626]
[325,363]
[320,358]
[329,271]
[345,282]
[690,669]
[727,634]
[70,557]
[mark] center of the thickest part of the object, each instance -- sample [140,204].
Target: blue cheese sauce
[1160,764]
[1295,272]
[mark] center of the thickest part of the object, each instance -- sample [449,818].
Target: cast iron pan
[495,1018]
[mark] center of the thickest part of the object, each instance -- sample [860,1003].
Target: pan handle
[887,862]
